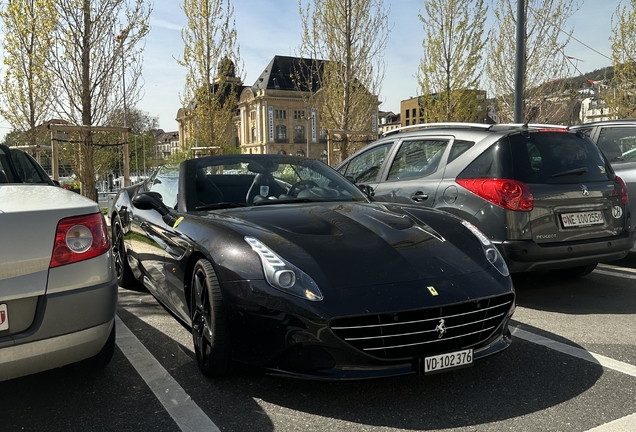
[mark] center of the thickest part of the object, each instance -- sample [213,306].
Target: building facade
[279,113]
[388,120]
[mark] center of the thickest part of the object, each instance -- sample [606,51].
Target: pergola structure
[55,128]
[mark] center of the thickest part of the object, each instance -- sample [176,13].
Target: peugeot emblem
[440,329]
[585,191]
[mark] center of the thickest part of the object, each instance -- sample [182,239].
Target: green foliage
[211,56]
[352,36]
[92,64]
[451,65]
[27,89]
[620,95]
[544,57]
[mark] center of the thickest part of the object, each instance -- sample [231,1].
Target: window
[281,132]
[166,183]
[323,135]
[280,114]
[253,134]
[407,113]
[615,141]
[26,167]
[365,167]
[299,133]
[299,114]
[413,114]
[458,148]
[417,158]
[253,115]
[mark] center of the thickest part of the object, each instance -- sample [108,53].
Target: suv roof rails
[501,126]
[461,125]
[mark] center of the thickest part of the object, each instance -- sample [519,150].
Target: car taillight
[622,190]
[79,238]
[509,194]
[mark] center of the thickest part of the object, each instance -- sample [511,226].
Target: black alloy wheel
[210,332]
[125,277]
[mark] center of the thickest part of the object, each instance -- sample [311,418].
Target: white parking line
[613,267]
[607,362]
[183,410]
[612,273]
[625,424]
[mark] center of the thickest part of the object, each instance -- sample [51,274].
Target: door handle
[419,196]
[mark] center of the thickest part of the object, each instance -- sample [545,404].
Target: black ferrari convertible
[281,263]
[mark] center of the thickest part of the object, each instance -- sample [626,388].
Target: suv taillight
[79,238]
[509,194]
[622,190]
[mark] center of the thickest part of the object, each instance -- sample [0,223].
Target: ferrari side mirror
[367,190]
[150,201]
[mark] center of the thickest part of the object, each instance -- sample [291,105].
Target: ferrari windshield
[246,180]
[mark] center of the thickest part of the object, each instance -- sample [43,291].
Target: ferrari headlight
[491,252]
[283,275]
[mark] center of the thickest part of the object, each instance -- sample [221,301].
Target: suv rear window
[541,157]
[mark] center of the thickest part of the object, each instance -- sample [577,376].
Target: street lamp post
[121,37]
[307,131]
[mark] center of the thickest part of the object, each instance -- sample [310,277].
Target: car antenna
[524,130]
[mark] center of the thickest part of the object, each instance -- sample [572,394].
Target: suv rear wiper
[572,171]
[220,205]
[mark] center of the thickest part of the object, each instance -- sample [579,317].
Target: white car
[58,288]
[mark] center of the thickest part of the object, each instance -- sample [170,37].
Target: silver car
[617,141]
[544,195]
[58,288]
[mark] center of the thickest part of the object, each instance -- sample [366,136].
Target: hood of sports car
[354,244]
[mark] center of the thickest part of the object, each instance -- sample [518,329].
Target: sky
[267,28]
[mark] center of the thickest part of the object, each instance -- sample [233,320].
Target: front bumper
[526,255]
[295,337]
[68,327]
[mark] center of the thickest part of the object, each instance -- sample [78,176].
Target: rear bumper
[524,255]
[69,327]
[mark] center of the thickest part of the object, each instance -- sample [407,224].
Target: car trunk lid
[28,220]
[569,212]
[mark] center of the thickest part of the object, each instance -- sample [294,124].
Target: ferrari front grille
[421,332]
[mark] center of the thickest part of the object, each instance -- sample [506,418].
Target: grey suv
[546,196]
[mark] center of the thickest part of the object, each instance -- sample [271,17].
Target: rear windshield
[542,157]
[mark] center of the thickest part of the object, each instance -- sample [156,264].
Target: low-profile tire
[125,277]
[210,332]
[574,272]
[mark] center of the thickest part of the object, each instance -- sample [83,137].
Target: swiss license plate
[4,317]
[582,218]
[446,361]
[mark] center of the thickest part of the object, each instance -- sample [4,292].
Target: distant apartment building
[593,108]
[413,110]
[388,120]
[167,143]
[279,114]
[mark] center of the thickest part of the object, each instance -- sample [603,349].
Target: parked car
[281,263]
[545,196]
[58,288]
[617,140]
